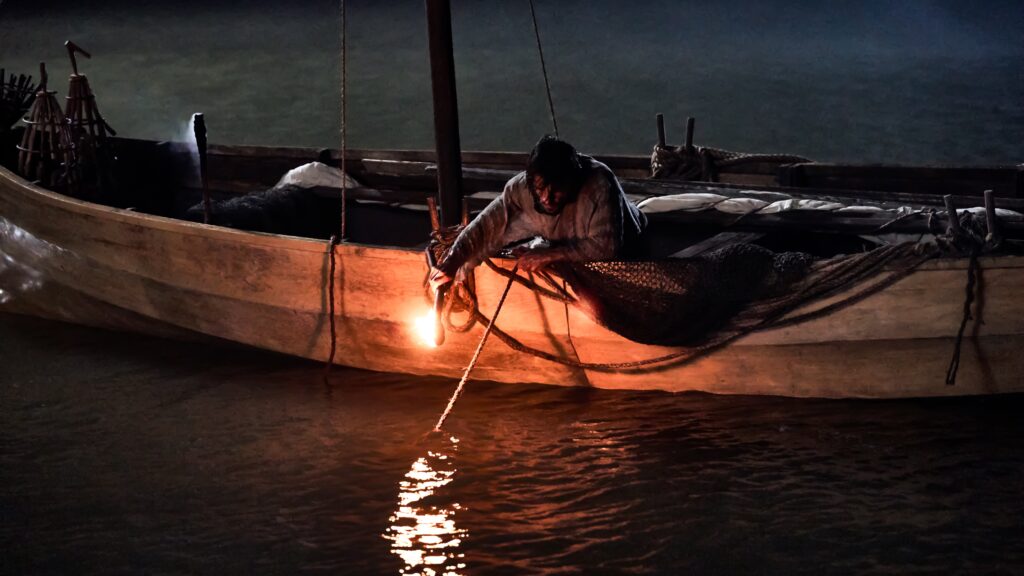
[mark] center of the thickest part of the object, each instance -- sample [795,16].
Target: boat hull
[171,277]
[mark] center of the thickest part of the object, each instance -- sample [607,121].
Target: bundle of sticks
[16,94]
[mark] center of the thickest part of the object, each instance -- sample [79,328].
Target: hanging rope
[344,120]
[544,68]
[476,355]
[972,275]
[335,239]
[330,295]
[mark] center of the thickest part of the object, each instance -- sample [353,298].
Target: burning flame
[423,327]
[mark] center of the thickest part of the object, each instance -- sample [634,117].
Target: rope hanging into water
[476,355]
[544,68]
[335,239]
[344,119]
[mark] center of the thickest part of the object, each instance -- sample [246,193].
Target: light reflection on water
[422,534]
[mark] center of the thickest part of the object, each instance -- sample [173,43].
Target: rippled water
[129,455]
[121,454]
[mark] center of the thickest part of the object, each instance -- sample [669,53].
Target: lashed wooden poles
[16,93]
[46,154]
[82,113]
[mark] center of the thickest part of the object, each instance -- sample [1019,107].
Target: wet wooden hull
[169,276]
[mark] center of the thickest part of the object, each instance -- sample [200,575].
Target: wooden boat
[137,268]
[127,269]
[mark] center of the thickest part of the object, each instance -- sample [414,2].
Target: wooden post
[661,130]
[446,110]
[954,221]
[199,128]
[689,134]
[990,217]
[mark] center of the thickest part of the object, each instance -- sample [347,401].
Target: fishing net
[681,302]
[701,303]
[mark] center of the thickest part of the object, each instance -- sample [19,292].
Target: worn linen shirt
[601,224]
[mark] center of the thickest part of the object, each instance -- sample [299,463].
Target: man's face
[546,199]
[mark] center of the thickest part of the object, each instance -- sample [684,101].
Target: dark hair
[557,163]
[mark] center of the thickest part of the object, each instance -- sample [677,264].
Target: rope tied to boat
[969,237]
[331,244]
[702,163]
[342,235]
[824,278]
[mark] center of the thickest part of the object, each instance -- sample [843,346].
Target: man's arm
[483,236]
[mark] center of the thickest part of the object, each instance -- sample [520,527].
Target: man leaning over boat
[570,200]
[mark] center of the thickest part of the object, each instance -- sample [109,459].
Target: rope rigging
[342,236]
[544,69]
[826,278]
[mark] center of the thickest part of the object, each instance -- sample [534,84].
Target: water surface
[124,455]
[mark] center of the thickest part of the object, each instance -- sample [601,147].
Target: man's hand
[534,260]
[438,279]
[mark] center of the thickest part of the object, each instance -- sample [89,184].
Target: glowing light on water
[425,536]
[423,327]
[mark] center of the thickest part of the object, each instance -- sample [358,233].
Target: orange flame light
[425,329]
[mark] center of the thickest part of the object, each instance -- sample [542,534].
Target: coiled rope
[704,163]
[831,277]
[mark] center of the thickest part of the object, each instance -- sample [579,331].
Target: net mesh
[700,304]
[681,302]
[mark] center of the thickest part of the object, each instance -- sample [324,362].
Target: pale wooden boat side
[271,292]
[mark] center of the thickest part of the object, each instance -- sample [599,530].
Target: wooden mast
[446,111]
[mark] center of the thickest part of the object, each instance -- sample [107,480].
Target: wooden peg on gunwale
[689,133]
[661,130]
[991,220]
[435,218]
[954,220]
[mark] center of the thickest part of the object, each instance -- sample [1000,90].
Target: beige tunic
[601,224]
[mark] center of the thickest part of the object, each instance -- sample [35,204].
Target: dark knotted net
[681,302]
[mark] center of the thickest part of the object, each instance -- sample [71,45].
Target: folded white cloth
[316,174]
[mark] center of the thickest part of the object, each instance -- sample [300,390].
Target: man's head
[554,175]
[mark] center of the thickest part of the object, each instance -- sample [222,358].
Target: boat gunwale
[302,244]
